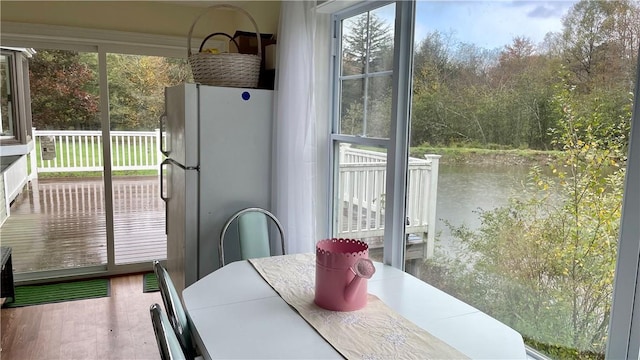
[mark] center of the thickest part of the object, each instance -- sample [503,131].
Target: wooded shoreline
[476,156]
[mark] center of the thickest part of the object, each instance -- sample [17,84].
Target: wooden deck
[61,224]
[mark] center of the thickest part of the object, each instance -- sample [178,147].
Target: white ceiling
[205,3]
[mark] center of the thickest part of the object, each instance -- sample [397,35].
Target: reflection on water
[463,189]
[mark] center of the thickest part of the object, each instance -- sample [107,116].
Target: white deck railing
[362,182]
[362,177]
[71,151]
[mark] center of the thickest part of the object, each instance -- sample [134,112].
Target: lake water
[463,189]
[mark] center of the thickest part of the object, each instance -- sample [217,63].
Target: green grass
[562,352]
[140,151]
[461,155]
[95,174]
[52,293]
[90,154]
[480,156]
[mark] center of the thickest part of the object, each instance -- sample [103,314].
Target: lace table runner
[374,332]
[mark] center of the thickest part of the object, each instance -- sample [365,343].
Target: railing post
[343,149]
[33,156]
[159,154]
[431,206]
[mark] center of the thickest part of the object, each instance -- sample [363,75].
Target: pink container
[342,267]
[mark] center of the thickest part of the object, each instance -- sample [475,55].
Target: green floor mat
[149,283]
[51,293]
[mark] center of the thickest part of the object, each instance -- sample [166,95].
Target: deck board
[60,223]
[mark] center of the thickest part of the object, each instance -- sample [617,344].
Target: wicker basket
[227,69]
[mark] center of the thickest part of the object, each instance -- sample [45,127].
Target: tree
[600,41]
[519,49]
[445,71]
[464,94]
[434,53]
[367,48]
[136,89]
[432,67]
[545,264]
[367,43]
[525,78]
[64,91]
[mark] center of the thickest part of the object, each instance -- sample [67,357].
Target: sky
[489,24]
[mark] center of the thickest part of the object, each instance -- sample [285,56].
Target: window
[362,127]
[533,245]
[15,117]
[7,121]
[366,73]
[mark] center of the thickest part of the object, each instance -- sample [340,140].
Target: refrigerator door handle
[162,164]
[166,197]
[169,161]
[162,196]
[163,120]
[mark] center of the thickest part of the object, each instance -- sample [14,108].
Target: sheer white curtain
[294,152]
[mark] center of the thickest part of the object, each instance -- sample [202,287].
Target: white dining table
[235,314]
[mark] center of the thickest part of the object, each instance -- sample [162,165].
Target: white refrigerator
[218,161]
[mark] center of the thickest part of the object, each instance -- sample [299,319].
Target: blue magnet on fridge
[246,96]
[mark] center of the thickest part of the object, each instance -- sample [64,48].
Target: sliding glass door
[93,204]
[136,102]
[57,224]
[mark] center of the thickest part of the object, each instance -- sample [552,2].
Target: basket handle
[215,34]
[225,6]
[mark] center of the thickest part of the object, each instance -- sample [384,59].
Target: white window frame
[624,329]
[20,119]
[397,144]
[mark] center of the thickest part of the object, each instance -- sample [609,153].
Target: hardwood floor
[115,327]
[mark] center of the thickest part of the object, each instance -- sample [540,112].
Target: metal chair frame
[168,343]
[238,215]
[179,322]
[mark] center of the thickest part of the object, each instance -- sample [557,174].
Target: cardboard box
[270,57]
[248,42]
